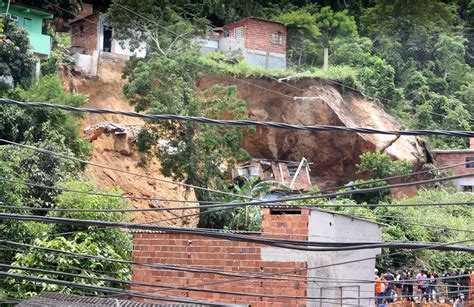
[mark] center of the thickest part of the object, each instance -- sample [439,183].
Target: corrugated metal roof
[60,299]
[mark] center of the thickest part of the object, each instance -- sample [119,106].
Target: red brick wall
[450,158]
[88,38]
[285,226]
[216,254]
[471,143]
[258,34]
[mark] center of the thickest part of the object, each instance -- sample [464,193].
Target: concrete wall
[269,60]
[86,64]
[122,48]
[330,227]
[227,44]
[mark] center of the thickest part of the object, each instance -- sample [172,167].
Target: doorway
[107,43]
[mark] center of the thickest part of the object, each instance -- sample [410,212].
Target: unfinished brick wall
[258,34]
[224,255]
[449,158]
[283,225]
[214,254]
[84,33]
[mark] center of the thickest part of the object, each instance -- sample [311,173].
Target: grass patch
[218,63]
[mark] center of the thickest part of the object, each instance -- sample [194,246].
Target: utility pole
[326,59]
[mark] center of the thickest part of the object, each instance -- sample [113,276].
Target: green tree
[302,33]
[162,27]
[187,151]
[109,242]
[380,165]
[335,24]
[166,82]
[16,59]
[376,165]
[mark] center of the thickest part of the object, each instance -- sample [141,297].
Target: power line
[240,123]
[283,199]
[65,156]
[153,285]
[320,266]
[289,244]
[310,206]
[101,289]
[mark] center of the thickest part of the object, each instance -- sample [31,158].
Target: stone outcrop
[334,154]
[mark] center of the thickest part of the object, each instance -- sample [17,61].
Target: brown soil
[116,150]
[334,154]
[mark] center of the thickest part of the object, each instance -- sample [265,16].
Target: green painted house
[32,20]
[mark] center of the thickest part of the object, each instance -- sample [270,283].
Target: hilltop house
[31,19]
[458,156]
[257,41]
[90,32]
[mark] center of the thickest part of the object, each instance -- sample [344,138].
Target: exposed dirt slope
[116,150]
[334,155]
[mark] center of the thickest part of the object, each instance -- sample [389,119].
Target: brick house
[457,156]
[257,41]
[310,224]
[90,32]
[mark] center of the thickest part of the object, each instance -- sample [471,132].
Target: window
[27,23]
[226,32]
[471,164]
[239,32]
[81,29]
[467,188]
[15,19]
[277,38]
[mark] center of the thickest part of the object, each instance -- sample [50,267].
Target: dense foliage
[415,57]
[30,179]
[167,82]
[425,224]
[16,60]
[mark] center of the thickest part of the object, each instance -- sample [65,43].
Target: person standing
[408,286]
[390,278]
[433,286]
[421,282]
[380,288]
[399,283]
[451,283]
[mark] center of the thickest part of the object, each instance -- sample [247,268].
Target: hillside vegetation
[414,57]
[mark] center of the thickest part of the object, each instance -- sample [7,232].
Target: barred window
[277,38]
[471,162]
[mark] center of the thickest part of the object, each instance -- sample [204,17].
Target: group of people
[424,286]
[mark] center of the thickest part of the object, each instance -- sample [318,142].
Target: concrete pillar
[267,59]
[95,63]
[37,69]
